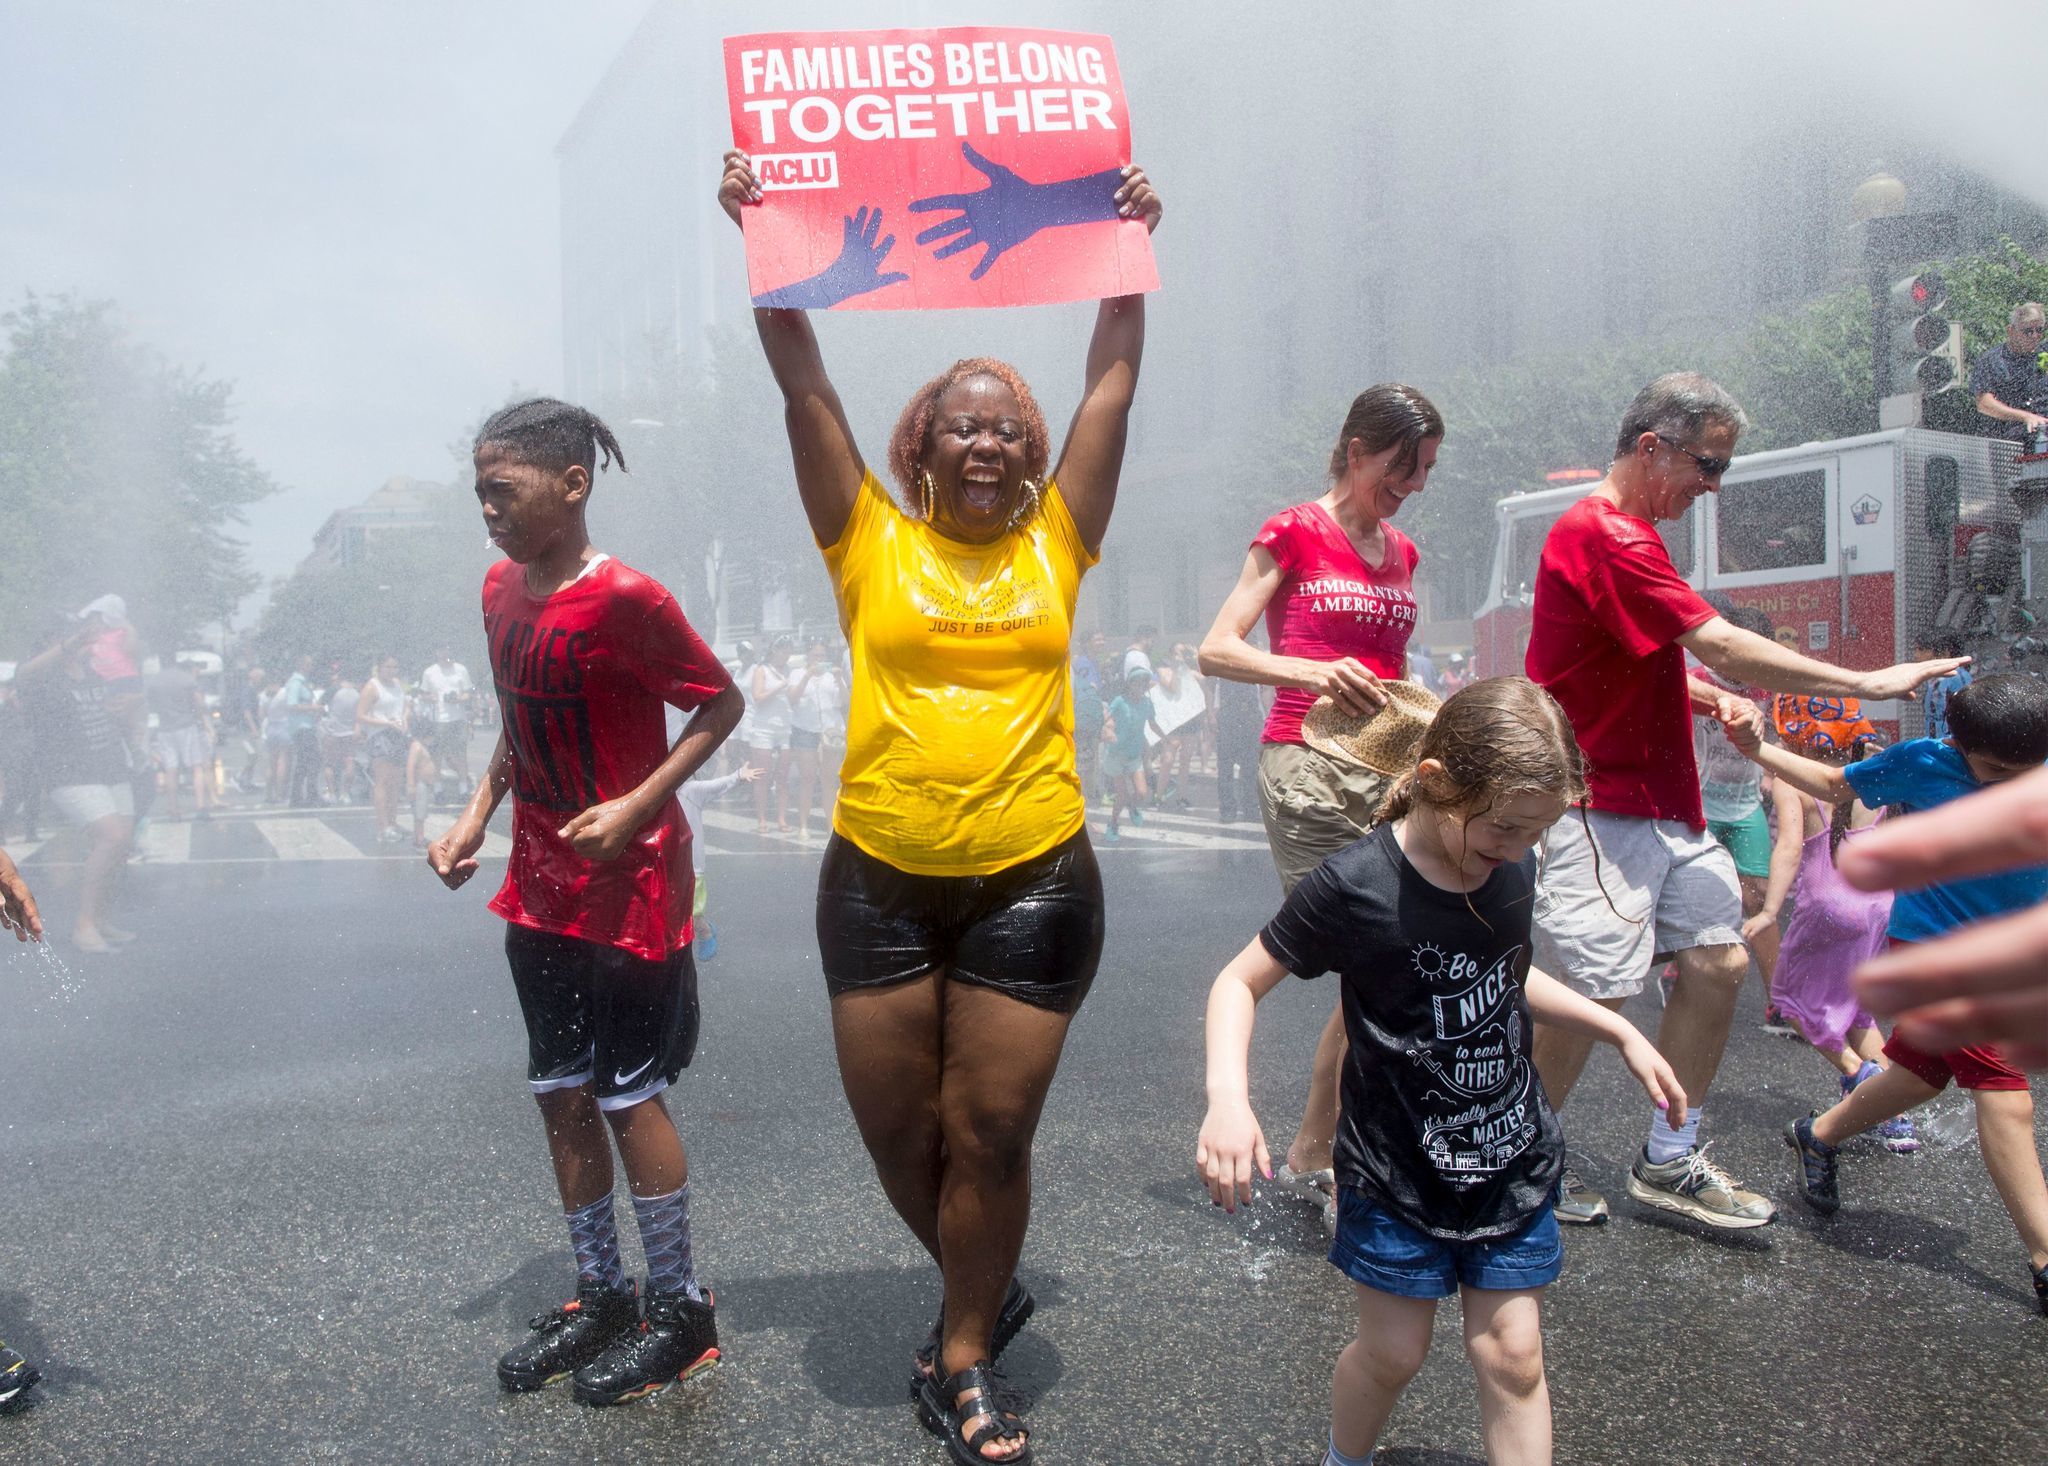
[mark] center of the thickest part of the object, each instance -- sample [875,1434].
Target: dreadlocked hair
[913,435]
[552,434]
[1497,739]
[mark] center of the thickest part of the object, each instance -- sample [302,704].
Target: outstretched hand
[1011,209]
[747,773]
[857,270]
[1893,682]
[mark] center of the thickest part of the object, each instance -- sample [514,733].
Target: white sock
[1666,1144]
[1335,1457]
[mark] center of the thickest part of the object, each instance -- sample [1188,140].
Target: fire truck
[1852,547]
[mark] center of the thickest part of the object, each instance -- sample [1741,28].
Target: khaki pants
[1313,806]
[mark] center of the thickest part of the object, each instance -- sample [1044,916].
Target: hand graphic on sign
[857,271]
[1011,210]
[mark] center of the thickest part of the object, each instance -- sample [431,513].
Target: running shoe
[2041,1287]
[563,1340]
[17,1375]
[1777,1024]
[678,1339]
[1110,836]
[1137,815]
[1579,1204]
[707,940]
[1897,1135]
[1693,1186]
[1816,1167]
[1850,1081]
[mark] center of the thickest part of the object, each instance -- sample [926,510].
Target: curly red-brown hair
[914,429]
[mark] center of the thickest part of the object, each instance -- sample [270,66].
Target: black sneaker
[17,1375]
[567,1338]
[678,1339]
[2041,1287]
[1816,1167]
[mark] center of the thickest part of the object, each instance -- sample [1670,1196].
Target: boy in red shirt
[585,653]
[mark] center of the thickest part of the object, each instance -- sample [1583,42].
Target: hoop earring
[925,487]
[1027,507]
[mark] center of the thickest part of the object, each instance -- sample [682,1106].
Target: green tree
[118,472]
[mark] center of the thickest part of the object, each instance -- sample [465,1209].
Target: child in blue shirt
[1123,750]
[1998,730]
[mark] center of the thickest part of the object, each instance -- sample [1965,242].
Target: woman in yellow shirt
[959,904]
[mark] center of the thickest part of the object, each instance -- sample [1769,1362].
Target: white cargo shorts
[1661,888]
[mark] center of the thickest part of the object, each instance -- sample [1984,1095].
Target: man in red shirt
[585,654]
[1640,879]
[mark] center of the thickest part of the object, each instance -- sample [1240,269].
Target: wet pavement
[272,1190]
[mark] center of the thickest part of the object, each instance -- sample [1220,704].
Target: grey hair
[2027,310]
[1678,406]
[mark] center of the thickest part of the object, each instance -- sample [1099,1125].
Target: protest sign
[919,170]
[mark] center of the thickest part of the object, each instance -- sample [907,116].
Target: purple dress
[1834,929]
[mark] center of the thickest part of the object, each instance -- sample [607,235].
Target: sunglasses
[1711,466]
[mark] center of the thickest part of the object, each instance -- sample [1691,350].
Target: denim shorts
[1378,1249]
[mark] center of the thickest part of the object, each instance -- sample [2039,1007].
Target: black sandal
[1018,1306]
[939,1409]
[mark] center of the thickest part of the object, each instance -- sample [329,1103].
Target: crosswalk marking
[270,836]
[164,844]
[305,838]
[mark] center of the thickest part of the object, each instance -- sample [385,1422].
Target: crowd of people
[1493,867]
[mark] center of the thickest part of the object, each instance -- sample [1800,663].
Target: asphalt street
[272,1190]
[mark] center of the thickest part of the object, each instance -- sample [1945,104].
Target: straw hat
[1385,741]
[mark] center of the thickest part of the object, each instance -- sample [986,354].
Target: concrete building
[402,506]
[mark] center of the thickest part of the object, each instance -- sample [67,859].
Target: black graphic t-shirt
[1444,1122]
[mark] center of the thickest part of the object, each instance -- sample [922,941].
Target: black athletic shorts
[1032,931]
[598,1015]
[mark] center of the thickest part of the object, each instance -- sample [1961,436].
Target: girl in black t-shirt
[1447,1154]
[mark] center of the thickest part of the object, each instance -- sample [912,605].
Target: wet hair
[1940,642]
[1497,739]
[1387,416]
[913,435]
[1678,406]
[551,434]
[2003,716]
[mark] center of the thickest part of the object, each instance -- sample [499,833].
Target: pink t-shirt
[1332,605]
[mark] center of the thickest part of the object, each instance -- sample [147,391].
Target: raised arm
[829,468]
[1757,661]
[1225,652]
[1092,460]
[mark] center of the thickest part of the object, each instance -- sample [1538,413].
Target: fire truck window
[1677,536]
[1525,548]
[1774,523]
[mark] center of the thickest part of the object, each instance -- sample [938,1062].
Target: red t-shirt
[581,678]
[1609,610]
[1332,605]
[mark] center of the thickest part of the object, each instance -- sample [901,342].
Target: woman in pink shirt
[1333,580]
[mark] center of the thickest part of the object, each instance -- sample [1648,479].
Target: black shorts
[598,1015]
[802,741]
[1032,931]
[449,741]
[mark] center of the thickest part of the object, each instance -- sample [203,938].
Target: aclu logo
[797,170]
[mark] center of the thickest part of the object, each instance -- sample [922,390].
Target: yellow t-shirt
[960,725]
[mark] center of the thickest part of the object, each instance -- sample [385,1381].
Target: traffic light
[1924,360]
